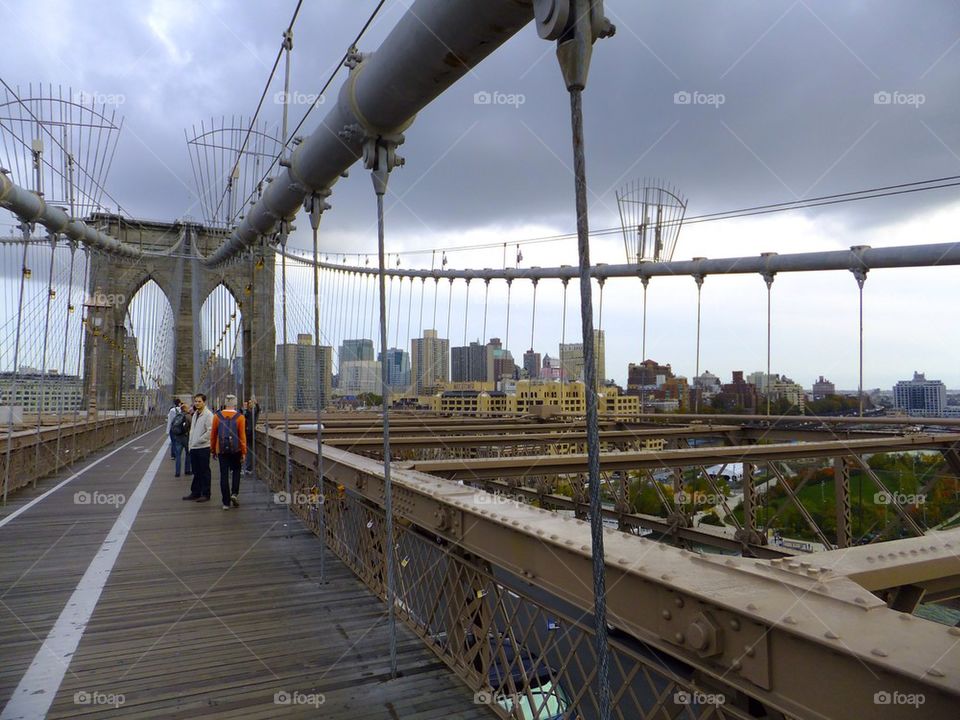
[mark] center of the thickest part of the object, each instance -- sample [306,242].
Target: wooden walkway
[205,614]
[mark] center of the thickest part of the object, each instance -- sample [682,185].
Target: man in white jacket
[200,450]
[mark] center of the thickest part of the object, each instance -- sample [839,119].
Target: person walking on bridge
[200,432]
[180,433]
[171,414]
[228,443]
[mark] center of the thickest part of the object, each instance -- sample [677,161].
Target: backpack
[181,424]
[228,436]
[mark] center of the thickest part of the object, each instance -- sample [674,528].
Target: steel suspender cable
[396,330]
[768,279]
[423,287]
[563,340]
[573,54]
[43,365]
[533,318]
[436,293]
[63,360]
[449,307]
[643,349]
[466,313]
[380,175]
[409,314]
[600,282]
[16,357]
[486,297]
[80,341]
[316,210]
[696,393]
[590,386]
[506,340]
[861,276]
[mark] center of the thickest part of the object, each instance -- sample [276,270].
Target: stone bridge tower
[172,261]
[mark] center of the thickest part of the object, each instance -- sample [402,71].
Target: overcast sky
[785,106]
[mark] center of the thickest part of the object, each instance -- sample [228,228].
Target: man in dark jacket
[180,437]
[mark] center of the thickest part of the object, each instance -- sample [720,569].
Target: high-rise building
[429,362]
[360,376]
[299,392]
[468,363]
[531,364]
[398,369]
[920,397]
[822,388]
[357,349]
[571,359]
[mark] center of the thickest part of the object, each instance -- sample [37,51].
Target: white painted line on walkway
[20,511]
[39,686]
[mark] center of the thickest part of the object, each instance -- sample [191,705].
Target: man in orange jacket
[228,442]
